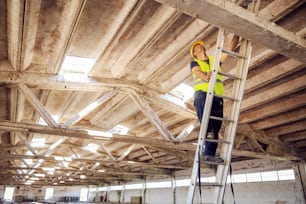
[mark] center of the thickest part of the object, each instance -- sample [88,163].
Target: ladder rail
[206,112]
[232,120]
[242,67]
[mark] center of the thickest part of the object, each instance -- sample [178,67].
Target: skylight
[120,129]
[91,147]
[38,142]
[80,65]
[184,91]
[179,95]
[43,122]
[99,133]
[29,161]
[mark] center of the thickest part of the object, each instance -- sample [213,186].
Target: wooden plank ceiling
[139,52]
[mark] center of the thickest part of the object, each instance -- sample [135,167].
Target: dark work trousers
[213,125]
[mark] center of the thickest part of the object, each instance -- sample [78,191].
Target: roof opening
[76,65]
[180,94]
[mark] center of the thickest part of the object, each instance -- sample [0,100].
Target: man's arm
[233,45]
[203,75]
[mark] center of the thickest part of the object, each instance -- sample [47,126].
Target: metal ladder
[230,123]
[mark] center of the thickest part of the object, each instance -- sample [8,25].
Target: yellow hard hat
[197,42]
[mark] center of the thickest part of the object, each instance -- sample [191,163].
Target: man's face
[198,49]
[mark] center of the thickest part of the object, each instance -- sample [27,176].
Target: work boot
[211,158]
[210,135]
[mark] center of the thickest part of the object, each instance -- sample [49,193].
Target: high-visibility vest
[202,85]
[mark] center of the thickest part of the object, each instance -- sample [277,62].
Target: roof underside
[140,53]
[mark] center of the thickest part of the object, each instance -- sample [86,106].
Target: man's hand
[209,75]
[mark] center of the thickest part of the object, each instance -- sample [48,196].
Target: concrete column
[173,188]
[300,179]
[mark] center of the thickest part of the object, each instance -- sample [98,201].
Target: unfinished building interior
[99,93]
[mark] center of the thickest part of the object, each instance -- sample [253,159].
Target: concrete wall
[278,192]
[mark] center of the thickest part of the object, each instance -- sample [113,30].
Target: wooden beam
[30,25]
[171,52]
[111,172]
[149,153]
[301,135]
[32,99]
[152,116]
[118,27]
[27,144]
[238,20]
[81,134]
[14,106]
[68,25]
[107,151]
[15,15]
[90,161]
[260,155]
[280,106]
[186,131]
[284,118]
[286,129]
[278,9]
[58,82]
[150,31]
[167,105]
[127,151]
[274,73]
[289,87]
[25,127]
[76,118]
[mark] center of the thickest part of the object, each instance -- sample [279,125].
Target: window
[83,195]
[286,174]
[253,177]
[8,193]
[182,182]
[163,184]
[239,178]
[269,176]
[133,186]
[279,175]
[49,193]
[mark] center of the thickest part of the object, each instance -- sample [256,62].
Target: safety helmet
[197,42]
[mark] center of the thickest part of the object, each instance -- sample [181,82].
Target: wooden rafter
[230,17]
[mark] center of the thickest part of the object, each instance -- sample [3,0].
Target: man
[201,68]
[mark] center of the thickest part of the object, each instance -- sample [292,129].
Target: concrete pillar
[300,180]
[173,188]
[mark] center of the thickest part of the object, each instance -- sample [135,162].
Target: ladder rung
[219,118]
[226,97]
[230,75]
[216,141]
[213,163]
[233,54]
[209,184]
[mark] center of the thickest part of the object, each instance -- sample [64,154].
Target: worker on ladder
[201,67]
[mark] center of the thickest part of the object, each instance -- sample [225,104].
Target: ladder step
[213,163]
[230,75]
[233,54]
[219,118]
[216,141]
[226,97]
[209,184]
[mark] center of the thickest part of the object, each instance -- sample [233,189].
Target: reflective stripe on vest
[202,85]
